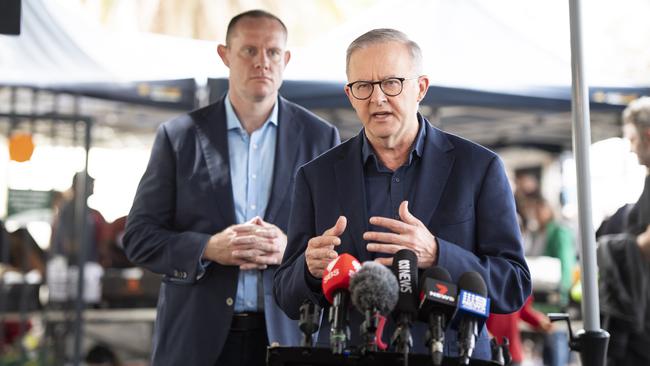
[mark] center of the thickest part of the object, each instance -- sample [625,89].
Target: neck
[253,113]
[393,152]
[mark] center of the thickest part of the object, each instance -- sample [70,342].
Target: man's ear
[423,84]
[348,93]
[287,57]
[223,53]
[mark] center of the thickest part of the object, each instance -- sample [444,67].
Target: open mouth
[381,114]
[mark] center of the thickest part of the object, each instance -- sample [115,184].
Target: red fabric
[507,325]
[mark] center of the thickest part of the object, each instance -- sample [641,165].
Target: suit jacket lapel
[213,139]
[433,174]
[288,137]
[352,198]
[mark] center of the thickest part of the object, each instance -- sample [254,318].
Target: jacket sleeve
[150,239]
[497,254]
[292,282]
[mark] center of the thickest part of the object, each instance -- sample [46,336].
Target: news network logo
[440,291]
[474,303]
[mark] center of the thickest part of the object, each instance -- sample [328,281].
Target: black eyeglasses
[392,87]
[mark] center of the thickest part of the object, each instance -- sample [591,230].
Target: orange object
[21,147]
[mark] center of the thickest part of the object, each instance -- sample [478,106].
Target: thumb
[338,228]
[405,215]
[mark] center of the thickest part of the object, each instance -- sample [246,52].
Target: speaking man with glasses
[401,183]
[212,208]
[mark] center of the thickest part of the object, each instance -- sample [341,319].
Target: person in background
[211,211]
[624,259]
[64,237]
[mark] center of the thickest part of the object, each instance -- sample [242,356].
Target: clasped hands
[254,244]
[407,233]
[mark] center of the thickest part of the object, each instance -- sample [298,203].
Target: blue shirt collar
[367,151]
[233,122]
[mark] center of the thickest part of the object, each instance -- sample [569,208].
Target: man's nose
[377,95]
[262,60]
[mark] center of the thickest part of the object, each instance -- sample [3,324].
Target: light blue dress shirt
[252,158]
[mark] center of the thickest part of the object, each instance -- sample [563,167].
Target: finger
[323,241]
[384,237]
[249,240]
[267,232]
[247,254]
[395,226]
[267,259]
[244,228]
[406,215]
[325,254]
[384,248]
[267,247]
[385,261]
[338,228]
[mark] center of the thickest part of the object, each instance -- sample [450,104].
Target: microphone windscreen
[405,268]
[437,293]
[437,273]
[374,287]
[472,298]
[472,282]
[337,274]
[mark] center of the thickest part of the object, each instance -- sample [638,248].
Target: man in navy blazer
[212,207]
[401,183]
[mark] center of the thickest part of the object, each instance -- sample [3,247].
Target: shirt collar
[233,122]
[416,150]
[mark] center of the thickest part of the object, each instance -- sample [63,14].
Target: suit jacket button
[229,301]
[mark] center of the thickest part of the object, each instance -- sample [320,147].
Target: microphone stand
[435,337]
[402,338]
[339,331]
[309,322]
[368,331]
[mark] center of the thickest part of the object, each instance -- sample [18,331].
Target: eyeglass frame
[379,82]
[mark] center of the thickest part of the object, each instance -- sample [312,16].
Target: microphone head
[437,293]
[405,269]
[473,299]
[374,287]
[337,274]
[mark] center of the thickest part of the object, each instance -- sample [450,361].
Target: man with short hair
[401,183]
[624,259]
[211,210]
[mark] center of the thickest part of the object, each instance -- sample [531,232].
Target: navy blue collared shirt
[386,189]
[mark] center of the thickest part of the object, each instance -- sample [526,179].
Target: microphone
[336,281]
[405,268]
[374,292]
[437,306]
[473,310]
[309,321]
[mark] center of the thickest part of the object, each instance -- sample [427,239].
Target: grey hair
[382,35]
[638,113]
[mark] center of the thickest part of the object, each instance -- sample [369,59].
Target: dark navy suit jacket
[461,194]
[184,197]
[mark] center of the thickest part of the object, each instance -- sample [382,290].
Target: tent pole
[592,342]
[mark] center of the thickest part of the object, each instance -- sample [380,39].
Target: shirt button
[229,301]
[254,176]
[254,146]
[253,207]
[396,180]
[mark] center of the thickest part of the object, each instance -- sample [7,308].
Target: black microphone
[309,321]
[405,268]
[373,290]
[437,306]
[473,311]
